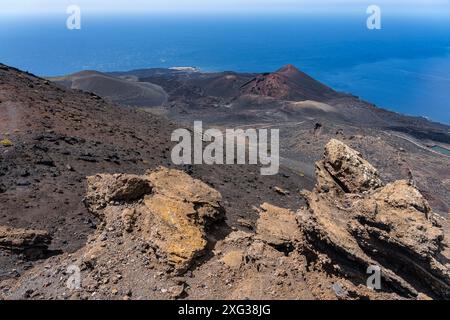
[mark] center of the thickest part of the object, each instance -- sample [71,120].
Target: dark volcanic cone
[289,83]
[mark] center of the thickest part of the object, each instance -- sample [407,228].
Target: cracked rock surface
[366,223]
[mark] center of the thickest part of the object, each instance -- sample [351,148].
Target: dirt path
[415,143]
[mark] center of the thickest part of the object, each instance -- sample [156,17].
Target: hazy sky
[230,6]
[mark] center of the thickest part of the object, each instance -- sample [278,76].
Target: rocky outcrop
[278,227]
[29,241]
[104,189]
[359,223]
[151,226]
[344,170]
[165,208]
[160,238]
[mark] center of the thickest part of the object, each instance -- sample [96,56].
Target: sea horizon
[403,67]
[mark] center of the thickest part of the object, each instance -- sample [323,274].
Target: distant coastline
[409,76]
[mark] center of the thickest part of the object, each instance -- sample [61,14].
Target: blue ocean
[404,67]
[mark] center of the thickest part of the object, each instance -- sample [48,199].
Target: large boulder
[278,227]
[165,208]
[363,223]
[104,188]
[344,169]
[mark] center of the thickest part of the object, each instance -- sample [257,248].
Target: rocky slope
[126,91]
[162,235]
[309,114]
[57,137]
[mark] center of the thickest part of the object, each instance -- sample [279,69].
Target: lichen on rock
[164,207]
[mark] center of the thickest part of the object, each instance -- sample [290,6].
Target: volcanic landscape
[87,181]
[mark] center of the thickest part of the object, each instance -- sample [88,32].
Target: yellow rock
[6,143]
[179,236]
[277,226]
[167,208]
[233,259]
